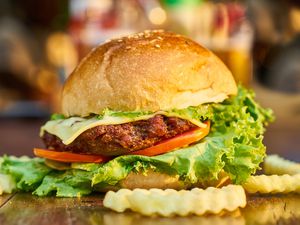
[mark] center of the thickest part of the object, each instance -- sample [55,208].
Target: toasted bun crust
[153,70]
[162,181]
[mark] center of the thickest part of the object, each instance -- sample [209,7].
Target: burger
[150,110]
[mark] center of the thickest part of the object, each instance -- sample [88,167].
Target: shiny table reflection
[26,209]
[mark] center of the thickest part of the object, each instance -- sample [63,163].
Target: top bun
[153,70]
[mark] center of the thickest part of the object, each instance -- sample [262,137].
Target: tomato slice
[69,157]
[175,142]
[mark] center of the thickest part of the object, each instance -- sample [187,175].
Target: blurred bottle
[183,15]
[94,21]
[277,43]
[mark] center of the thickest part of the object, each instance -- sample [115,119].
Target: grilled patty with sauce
[122,138]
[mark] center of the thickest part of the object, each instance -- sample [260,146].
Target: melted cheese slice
[69,129]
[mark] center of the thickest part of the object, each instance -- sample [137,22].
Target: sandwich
[150,110]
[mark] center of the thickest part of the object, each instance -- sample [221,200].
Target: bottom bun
[153,179]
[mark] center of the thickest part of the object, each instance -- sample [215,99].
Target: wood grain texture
[276,209]
[26,209]
[4,198]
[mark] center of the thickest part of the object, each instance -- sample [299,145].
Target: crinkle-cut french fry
[274,164]
[273,184]
[171,202]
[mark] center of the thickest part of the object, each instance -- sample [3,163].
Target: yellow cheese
[69,129]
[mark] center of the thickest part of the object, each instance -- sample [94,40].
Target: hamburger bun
[159,180]
[148,71]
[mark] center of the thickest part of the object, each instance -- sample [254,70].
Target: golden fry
[171,202]
[277,165]
[273,184]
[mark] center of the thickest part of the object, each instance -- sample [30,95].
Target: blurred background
[41,41]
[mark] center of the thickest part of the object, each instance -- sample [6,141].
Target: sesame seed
[157,46]
[160,38]
[128,47]
[120,40]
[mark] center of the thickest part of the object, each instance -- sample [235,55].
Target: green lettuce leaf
[70,183]
[193,112]
[108,112]
[27,173]
[57,116]
[234,145]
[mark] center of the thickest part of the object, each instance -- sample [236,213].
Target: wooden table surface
[25,209]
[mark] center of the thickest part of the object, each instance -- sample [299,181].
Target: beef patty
[122,138]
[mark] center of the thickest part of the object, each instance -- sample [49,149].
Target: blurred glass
[220,26]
